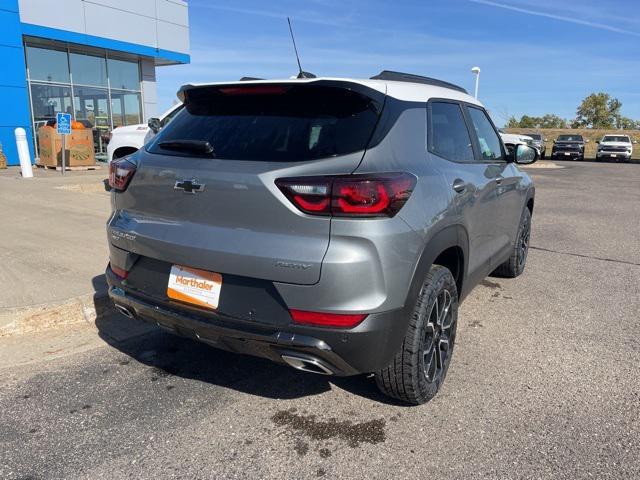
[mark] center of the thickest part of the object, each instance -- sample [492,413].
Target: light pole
[476,70]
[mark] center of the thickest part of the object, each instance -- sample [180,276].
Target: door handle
[499,180]
[459,185]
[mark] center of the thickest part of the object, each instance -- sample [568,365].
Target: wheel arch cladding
[448,248]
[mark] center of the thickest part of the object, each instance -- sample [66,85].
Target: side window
[448,134]
[170,116]
[490,142]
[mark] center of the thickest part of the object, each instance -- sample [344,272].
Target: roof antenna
[302,73]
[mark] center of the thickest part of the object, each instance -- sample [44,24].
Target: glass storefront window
[48,65]
[88,70]
[123,75]
[126,108]
[98,91]
[92,108]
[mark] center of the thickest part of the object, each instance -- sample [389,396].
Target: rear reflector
[380,195]
[119,271]
[120,174]
[327,319]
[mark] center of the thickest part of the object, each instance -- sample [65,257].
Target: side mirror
[635,141]
[525,155]
[546,139]
[586,140]
[154,124]
[598,142]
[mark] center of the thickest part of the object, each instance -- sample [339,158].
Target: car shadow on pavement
[171,355]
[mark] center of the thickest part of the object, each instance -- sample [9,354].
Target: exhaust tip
[307,364]
[125,311]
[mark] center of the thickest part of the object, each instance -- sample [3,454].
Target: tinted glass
[48,100]
[281,124]
[47,65]
[124,75]
[88,70]
[615,138]
[125,108]
[91,106]
[449,135]
[570,138]
[490,143]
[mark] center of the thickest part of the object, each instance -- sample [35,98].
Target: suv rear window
[280,123]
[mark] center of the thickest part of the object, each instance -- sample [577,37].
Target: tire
[514,266]
[542,155]
[418,370]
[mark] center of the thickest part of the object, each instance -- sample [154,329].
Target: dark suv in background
[333,225]
[568,147]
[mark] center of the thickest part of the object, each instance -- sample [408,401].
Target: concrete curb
[542,164]
[86,308]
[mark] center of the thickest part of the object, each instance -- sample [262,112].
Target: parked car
[568,147]
[304,221]
[539,143]
[513,139]
[617,147]
[129,139]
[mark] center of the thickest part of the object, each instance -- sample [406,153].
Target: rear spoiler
[378,93]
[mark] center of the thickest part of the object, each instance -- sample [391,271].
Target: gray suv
[333,225]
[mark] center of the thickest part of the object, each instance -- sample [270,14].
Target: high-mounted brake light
[320,319]
[381,195]
[254,90]
[120,174]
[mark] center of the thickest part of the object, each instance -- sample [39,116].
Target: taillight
[381,195]
[120,272]
[320,319]
[120,174]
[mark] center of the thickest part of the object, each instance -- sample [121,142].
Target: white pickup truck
[616,147]
[127,140]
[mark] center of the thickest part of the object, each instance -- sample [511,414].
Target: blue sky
[536,56]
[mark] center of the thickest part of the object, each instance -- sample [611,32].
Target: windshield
[570,138]
[535,136]
[615,138]
[280,123]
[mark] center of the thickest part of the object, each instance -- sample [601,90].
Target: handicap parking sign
[63,123]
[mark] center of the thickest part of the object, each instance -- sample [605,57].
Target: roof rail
[412,78]
[248,79]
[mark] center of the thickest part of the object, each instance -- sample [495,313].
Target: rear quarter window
[279,123]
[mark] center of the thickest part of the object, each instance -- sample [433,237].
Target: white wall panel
[140,7]
[173,37]
[173,12]
[63,14]
[119,25]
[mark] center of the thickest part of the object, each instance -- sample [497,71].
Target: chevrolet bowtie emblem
[189,186]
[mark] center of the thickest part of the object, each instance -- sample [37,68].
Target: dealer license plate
[193,286]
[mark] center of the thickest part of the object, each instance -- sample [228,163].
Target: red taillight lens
[120,272]
[380,195]
[120,174]
[320,319]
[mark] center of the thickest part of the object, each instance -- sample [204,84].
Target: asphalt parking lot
[544,381]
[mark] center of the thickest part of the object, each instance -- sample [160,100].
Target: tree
[627,123]
[598,110]
[551,120]
[547,121]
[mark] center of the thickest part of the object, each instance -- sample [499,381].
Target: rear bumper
[366,348]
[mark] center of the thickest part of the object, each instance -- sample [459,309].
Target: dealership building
[94,59]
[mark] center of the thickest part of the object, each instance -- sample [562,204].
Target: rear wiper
[201,147]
